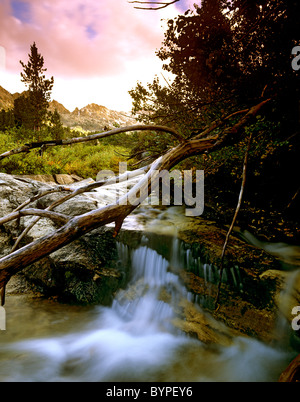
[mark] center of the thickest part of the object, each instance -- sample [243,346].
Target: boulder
[62,179]
[84,271]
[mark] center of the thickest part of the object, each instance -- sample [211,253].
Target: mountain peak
[7,99]
[58,106]
[92,117]
[96,117]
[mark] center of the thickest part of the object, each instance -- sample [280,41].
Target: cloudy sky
[96,49]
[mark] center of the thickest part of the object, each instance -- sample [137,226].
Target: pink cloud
[80,38]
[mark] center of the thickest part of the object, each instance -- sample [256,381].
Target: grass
[84,160]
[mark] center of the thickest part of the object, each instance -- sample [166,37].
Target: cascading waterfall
[210,274]
[135,339]
[147,310]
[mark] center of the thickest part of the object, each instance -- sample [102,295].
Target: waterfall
[135,339]
[151,281]
[284,335]
[210,274]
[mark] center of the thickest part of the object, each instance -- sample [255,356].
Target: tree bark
[292,372]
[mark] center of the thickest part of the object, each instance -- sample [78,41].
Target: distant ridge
[92,117]
[7,99]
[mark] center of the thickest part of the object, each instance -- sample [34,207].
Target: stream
[134,339]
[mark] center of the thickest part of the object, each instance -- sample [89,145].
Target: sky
[96,50]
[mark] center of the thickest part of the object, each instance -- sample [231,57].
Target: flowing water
[134,339]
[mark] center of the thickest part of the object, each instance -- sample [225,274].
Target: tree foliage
[224,56]
[32,107]
[7,119]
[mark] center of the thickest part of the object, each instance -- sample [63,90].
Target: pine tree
[56,127]
[39,88]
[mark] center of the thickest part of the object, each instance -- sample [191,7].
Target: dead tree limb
[293,198]
[234,219]
[42,194]
[54,216]
[46,144]
[159,4]
[80,225]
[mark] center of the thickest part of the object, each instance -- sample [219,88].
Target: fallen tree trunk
[80,225]
[292,372]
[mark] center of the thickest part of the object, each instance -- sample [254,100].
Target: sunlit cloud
[95,39]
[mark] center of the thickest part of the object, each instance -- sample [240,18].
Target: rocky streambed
[259,288]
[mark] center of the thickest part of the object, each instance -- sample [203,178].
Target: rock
[251,301]
[63,179]
[196,322]
[84,271]
[42,178]
[287,292]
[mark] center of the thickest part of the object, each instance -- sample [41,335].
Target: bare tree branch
[234,219]
[159,4]
[41,195]
[54,216]
[45,144]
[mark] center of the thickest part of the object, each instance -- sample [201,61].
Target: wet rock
[198,323]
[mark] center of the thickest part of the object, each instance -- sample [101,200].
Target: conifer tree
[39,88]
